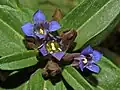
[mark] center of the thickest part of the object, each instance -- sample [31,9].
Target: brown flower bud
[57,15]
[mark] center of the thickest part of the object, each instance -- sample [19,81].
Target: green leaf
[18,60]
[75,79]
[103,35]
[11,21]
[109,76]
[12,3]
[37,82]
[106,79]
[48,6]
[11,41]
[15,18]
[90,18]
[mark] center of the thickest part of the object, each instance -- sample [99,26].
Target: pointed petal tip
[54,25]
[43,50]
[39,17]
[94,68]
[87,50]
[81,66]
[27,28]
[58,55]
[97,55]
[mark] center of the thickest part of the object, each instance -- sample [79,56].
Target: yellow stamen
[51,52]
[59,49]
[41,31]
[53,46]
[84,60]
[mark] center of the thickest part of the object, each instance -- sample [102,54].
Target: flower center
[84,60]
[87,58]
[53,46]
[41,31]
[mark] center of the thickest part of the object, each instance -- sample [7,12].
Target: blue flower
[41,27]
[52,47]
[87,59]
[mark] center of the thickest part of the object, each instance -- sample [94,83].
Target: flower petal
[54,25]
[58,55]
[96,55]
[43,50]
[28,29]
[87,50]
[93,68]
[45,25]
[81,65]
[40,36]
[82,57]
[39,17]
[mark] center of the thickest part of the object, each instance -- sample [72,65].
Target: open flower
[53,48]
[41,27]
[57,45]
[87,59]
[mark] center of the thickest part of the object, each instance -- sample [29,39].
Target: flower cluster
[56,46]
[41,29]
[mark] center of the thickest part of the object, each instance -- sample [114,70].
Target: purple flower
[52,47]
[41,27]
[87,59]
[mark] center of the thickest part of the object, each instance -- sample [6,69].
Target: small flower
[41,27]
[87,59]
[52,47]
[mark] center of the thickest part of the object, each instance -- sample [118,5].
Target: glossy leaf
[11,40]
[49,6]
[11,20]
[18,60]
[38,83]
[103,35]
[75,79]
[11,3]
[108,77]
[90,18]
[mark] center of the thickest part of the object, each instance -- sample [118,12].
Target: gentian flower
[87,59]
[52,47]
[41,27]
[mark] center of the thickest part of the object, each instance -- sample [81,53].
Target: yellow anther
[53,46]
[85,60]
[59,49]
[41,31]
[51,52]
